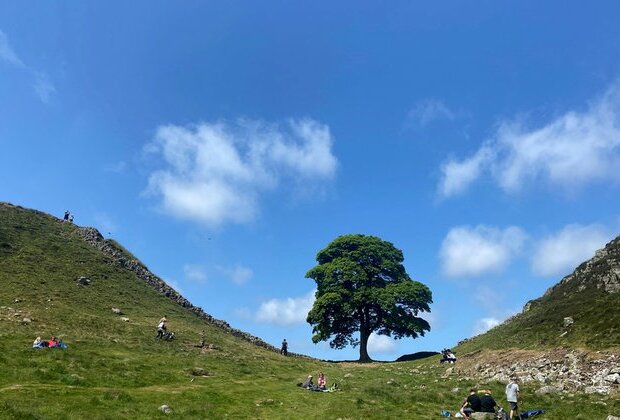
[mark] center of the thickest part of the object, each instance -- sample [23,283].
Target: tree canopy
[363,287]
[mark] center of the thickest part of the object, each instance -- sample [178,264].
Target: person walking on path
[512,396]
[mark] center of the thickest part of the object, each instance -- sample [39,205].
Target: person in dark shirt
[471,404]
[487,403]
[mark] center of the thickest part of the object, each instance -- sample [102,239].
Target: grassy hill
[117,369]
[590,296]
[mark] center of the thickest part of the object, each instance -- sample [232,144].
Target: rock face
[121,259]
[603,270]
[559,370]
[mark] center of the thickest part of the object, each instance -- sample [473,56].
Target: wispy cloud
[288,311]
[238,274]
[427,111]
[381,344]
[561,252]
[195,273]
[42,85]
[467,251]
[215,173]
[485,324]
[6,52]
[571,151]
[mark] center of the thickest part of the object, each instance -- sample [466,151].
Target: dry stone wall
[120,258]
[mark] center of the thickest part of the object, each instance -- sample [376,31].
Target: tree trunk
[364,357]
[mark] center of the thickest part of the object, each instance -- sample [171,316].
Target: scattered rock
[26,320]
[610,417]
[568,321]
[84,281]
[124,319]
[198,371]
[348,375]
[548,389]
[165,409]
[117,311]
[17,300]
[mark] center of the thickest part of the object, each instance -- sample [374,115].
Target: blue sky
[226,143]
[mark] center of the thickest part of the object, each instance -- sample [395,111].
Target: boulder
[165,409]
[26,320]
[610,417]
[568,321]
[482,416]
[117,311]
[84,281]
[124,319]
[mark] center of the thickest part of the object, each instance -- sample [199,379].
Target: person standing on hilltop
[66,218]
[284,348]
[512,396]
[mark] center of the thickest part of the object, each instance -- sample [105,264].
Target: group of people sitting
[447,356]
[51,343]
[320,386]
[478,404]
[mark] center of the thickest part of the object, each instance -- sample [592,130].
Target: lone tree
[363,286]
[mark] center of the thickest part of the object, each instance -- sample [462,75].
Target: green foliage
[363,287]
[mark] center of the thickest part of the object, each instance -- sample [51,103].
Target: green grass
[115,369]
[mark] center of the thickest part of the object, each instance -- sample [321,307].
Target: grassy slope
[117,369]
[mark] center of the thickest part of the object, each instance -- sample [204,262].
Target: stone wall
[122,259]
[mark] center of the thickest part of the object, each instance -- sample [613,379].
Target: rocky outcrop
[560,370]
[602,272]
[121,258]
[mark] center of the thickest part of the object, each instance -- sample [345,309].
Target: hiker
[66,218]
[71,218]
[487,403]
[161,327]
[471,404]
[38,343]
[284,348]
[322,382]
[512,396]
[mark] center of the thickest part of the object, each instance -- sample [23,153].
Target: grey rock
[548,389]
[84,281]
[117,311]
[610,417]
[165,409]
[568,321]
[26,320]
[124,319]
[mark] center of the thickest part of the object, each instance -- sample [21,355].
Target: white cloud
[6,52]
[381,344]
[237,274]
[214,173]
[563,251]
[476,251]
[573,150]
[485,324]
[42,85]
[287,311]
[429,110]
[195,272]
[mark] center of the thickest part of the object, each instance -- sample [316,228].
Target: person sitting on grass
[308,384]
[487,403]
[471,404]
[322,382]
[39,344]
